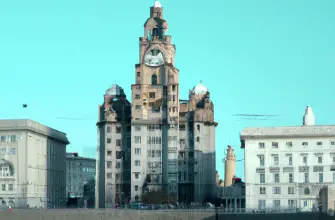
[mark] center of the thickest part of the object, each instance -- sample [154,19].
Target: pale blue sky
[255,56]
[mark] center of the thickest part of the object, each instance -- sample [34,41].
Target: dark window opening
[198,127]
[151,95]
[154,79]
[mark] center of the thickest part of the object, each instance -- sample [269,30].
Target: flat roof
[27,124]
[289,131]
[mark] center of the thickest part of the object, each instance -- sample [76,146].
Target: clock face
[154,58]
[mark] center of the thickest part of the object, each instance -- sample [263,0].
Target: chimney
[309,119]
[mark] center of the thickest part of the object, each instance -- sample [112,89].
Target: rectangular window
[137,107]
[276,204]
[276,161]
[151,95]
[290,203]
[182,127]
[137,96]
[290,178]
[289,144]
[137,163]
[109,129]
[137,128]
[138,151]
[11,151]
[319,160]
[109,175]
[276,177]
[118,129]
[261,204]
[290,161]
[109,140]
[118,142]
[136,175]
[332,143]
[10,187]
[261,145]
[137,139]
[333,177]
[290,190]
[13,138]
[319,143]
[118,165]
[109,153]
[261,161]
[320,177]
[109,164]
[304,143]
[274,144]
[3,187]
[333,160]
[262,190]
[136,188]
[276,190]
[3,138]
[304,160]
[262,178]
[305,203]
[306,177]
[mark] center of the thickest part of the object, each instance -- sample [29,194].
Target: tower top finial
[157,4]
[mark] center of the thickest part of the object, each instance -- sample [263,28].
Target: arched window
[6,169]
[154,79]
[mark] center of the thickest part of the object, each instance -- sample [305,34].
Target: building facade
[327,199]
[173,140]
[113,152]
[32,165]
[285,167]
[80,171]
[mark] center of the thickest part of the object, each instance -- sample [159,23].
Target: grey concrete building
[173,140]
[32,165]
[113,152]
[80,171]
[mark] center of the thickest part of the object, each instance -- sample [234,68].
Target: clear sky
[255,56]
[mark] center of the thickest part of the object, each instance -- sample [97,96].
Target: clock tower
[155,112]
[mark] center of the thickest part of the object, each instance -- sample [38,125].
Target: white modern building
[285,167]
[32,165]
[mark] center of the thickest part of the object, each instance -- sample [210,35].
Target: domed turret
[115,90]
[157,4]
[199,89]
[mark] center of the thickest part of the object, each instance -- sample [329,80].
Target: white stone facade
[32,165]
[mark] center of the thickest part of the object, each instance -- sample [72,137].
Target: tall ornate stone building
[173,141]
[113,152]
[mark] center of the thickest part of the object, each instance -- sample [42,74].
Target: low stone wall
[149,215]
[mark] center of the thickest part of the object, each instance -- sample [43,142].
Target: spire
[157,4]
[309,118]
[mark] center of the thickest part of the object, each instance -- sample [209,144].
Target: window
[305,203]
[261,204]
[138,151]
[276,204]
[137,107]
[333,160]
[304,160]
[261,145]
[118,142]
[109,129]
[262,190]
[333,177]
[118,129]
[289,144]
[262,178]
[109,175]
[304,143]
[158,153]
[261,160]
[290,190]
[136,175]
[198,139]
[290,203]
[290,178]
[320,177]
[276,190]
[332,143]
[182,127]
[118,165]
[137,139]
[290,161]
[137,96]
[274,144]
[119,155]
[306,177]
[154,79]
[198,127]
[137,163]
[109,164]
[319,160]
[307,191]
[276,177]
[136,188]
[319,143]
[3,187]
[109,153]
[13,138]
[11,151]
[109,140]
[137,128]
[276,160]
[151,95]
